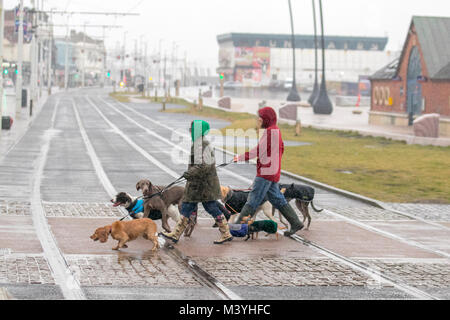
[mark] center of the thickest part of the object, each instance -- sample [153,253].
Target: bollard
[164,103]
[298,128]
[31,107]
[156,95]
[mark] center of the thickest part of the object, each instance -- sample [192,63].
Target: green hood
[200,128]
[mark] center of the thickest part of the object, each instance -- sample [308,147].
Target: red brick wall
[437,97]
[436,93]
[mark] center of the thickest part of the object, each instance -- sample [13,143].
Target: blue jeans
[187,208]
[262,187]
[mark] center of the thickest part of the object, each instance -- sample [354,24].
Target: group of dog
[167,204]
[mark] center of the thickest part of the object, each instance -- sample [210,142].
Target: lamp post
[322,104]
[293,94]
[315,92]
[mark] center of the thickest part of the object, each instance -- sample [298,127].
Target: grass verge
[379,168]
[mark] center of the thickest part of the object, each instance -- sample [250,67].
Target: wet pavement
[65,184]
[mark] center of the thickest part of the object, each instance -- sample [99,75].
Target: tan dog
[125,231]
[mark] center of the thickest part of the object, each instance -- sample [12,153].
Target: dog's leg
[174,213]
[303,207]
[121,244]
[268,210]
[164,220]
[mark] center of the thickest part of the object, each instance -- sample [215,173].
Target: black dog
[303,196]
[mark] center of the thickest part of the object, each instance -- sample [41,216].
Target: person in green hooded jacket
[202,185]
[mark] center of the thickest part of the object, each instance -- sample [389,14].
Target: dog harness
[138,207]
[238,230]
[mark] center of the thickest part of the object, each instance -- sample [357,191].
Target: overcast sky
[194,24]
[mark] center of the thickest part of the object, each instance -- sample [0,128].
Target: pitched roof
[434,38]
[387,72]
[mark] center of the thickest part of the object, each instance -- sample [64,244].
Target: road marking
[403,287]
[374,274]
[64,277]
[230,173]
[107,185]
[337,215]
[220,289]
[382,205]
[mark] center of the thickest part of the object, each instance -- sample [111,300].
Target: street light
[322,104]
[315,92]
[293,94]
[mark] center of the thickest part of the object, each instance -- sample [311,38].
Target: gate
[414,88]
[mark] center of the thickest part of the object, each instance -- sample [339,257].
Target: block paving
[110,270]
[25,269]
[81,210]
[14,208]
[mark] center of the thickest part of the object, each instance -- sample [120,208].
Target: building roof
[434,38]
[303,41]
[387,72]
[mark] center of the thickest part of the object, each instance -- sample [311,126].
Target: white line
[134,145]
[337,215]
[412,243]
[230,173]
[385,233]
[64,277]
[107,185]
[367,270]
[163,167]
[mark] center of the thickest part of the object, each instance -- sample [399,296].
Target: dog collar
[229,196]
[130,208]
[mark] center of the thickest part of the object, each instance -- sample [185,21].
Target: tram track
[399,284]
[197,272]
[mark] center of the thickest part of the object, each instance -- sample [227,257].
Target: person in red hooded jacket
[269,152]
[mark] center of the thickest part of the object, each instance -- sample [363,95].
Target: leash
[178,181]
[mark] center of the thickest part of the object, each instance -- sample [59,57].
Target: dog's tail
[315,209]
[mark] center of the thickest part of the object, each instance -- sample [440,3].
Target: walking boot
[178,231]
[292,218]
[224,230]
[247,211]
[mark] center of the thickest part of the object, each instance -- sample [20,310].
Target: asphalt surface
[55,185]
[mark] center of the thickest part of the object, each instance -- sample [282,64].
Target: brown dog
[125,231]
[172,196]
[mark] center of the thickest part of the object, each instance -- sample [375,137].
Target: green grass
[382,169]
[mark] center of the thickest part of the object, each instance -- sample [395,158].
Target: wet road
[84,147]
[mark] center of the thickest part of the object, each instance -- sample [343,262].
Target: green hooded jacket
[202,181]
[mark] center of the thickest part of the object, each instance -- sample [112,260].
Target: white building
[260,58]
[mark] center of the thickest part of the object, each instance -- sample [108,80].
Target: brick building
[418,82]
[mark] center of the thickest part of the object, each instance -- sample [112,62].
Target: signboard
[27,25]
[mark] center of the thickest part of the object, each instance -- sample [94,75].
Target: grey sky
[194,24]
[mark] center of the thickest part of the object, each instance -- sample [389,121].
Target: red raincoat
[270,148]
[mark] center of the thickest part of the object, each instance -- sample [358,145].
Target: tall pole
[145,70]
[2,28]
[83,73]
[19,78]
[315,92]
[40,65]
[293,94]
[33,62]
[103,77]
[323,104]
[50,57]
[66,62]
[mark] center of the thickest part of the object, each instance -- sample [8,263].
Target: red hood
[269,117]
